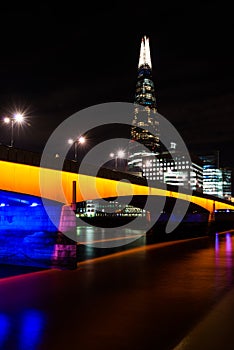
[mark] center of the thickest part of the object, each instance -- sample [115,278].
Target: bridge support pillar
[67,219]
[65,250]
[212,214]
[211,217]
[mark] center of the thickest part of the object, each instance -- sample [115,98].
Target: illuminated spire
[145,53]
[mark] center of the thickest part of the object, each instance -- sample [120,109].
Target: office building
[216,181]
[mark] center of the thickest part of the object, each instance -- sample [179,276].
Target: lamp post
[17,118]
[81,140]
[120,154]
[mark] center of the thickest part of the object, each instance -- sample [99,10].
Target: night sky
[57,60]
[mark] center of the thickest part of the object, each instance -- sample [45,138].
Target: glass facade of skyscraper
[216,181]
[213,182]
[227,183]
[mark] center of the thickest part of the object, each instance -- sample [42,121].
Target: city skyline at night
[116,163]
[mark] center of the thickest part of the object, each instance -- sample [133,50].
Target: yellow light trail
[25,179]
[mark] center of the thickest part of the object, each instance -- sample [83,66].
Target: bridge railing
[15,155]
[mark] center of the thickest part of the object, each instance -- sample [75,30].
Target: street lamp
[120,154]
[81,140]
[17,118]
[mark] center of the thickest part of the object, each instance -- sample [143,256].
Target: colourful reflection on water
[4,329]
[228,247]
[223,260]
[228,243]
[216,243]
[98,237]
[23,332]
[31,331]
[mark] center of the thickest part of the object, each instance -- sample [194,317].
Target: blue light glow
[216,243]
[28,236]
[25,212]
[4,329]
[33,323]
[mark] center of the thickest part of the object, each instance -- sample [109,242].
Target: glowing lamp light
[19,118]
[76,142]
[112,155]
[81,140]
[7,120]
[120,154]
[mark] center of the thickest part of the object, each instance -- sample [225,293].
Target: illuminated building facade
[213,182]
[96,208]
[227,183]
[212,175]
[177,171]
[216,181]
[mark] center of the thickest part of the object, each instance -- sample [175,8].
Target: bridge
[21,173]
[24,181]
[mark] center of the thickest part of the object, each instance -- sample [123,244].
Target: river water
[141,295]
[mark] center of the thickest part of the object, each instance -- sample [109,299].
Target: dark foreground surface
[150,297]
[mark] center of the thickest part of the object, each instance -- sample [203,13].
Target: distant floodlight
[70,141]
